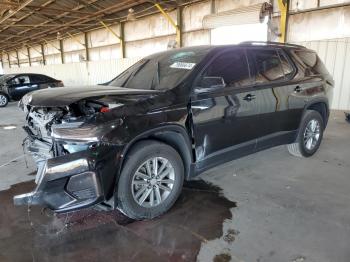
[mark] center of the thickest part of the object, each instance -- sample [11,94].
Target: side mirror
[212,82]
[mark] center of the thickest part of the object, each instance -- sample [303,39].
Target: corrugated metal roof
[28,22]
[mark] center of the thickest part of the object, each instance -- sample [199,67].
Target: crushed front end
[64,183]
[75,168]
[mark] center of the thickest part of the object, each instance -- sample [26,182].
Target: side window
[308,58]
[268,66]
[287,68]
[39,79]
[48,79]
[312,62]
[230,69]
[20,80]
[35,79]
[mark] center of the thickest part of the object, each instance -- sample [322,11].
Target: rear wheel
[4,100]
[310,135]
[151,180]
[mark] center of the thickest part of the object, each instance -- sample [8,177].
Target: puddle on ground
[91,235]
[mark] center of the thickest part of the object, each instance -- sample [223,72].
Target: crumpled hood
[64,96]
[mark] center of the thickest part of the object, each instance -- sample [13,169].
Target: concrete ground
[13,166]
[269,206]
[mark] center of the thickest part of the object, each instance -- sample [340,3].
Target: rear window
[311,61]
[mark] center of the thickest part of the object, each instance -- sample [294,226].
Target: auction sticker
[183,65]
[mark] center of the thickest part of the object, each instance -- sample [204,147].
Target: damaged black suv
[131,143]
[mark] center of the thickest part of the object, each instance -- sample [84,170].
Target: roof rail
[270,43]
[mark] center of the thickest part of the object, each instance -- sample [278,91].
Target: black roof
[245,44]
[215,47]
[268,43]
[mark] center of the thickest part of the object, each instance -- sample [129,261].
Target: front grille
[83,186]
[85,193]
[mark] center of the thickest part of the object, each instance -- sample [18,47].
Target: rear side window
[40,79]
[311,61]
[287,67]
[268,66]
[232,67]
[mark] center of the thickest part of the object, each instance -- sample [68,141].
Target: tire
[130,184]
[4,100]
[308,140]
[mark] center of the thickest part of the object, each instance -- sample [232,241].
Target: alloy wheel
[312,134]
[3,100]
[153,182]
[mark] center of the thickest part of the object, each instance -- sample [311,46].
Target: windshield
[161,71]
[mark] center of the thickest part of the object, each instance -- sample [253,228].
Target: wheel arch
[3,93]
[321,106]
[173,135]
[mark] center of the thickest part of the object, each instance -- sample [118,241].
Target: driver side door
[225,117]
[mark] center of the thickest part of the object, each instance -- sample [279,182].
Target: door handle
[249,97]
[298,89]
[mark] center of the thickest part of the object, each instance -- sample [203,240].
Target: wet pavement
[35,234]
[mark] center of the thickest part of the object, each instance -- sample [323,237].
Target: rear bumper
[66,183]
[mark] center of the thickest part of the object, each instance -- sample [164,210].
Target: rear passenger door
[225,109]
[272,73]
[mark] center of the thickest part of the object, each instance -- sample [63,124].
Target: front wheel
[151,180]
[4,100]
[310,135]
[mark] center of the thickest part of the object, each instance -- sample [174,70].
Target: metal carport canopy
[31,22]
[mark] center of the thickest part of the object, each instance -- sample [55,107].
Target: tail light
[104,109]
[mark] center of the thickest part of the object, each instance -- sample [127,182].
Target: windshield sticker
[183,65]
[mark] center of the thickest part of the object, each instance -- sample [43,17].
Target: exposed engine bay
[42,121]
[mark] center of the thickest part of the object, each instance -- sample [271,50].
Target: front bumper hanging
[65,183]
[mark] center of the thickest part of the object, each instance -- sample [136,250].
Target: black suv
[15,86]
[132,143]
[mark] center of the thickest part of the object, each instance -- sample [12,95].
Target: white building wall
[320,25]
[81,74]
[335,53]
[328,33]
[193,31]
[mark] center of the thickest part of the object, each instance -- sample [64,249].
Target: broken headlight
[83,132]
